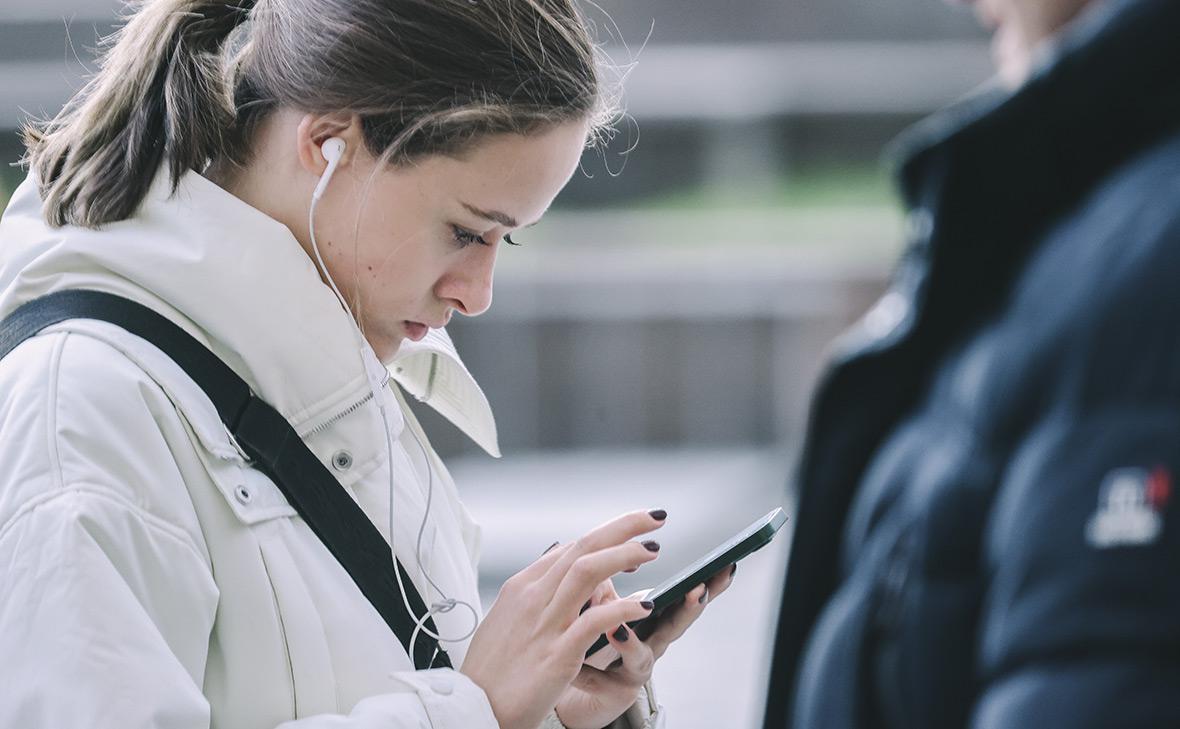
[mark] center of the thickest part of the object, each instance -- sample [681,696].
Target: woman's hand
[598,697]
[532,642]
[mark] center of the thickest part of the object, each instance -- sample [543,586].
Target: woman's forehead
[509,180]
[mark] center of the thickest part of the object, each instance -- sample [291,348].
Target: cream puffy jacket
[148,576]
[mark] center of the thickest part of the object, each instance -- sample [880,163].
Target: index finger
[611,534]
[541,565]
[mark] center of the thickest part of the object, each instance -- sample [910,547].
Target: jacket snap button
[342,461]
[243,494]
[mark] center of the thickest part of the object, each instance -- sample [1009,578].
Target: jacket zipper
[307,434]
[338,417]
[346,411]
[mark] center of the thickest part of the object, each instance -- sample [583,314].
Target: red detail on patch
[1159,488]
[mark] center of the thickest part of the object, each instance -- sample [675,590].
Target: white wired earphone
[378,377]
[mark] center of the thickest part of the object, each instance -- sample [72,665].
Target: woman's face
[414,244]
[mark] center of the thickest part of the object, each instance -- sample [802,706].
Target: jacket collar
[238,280]
[432,372]
[985,179]
[1103,91]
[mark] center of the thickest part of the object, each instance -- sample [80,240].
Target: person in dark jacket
[987,531]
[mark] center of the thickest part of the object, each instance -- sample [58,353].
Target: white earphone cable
[378,382]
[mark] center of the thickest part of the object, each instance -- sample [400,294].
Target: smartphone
[672,591]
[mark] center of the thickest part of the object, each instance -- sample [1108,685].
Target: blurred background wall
[654,342]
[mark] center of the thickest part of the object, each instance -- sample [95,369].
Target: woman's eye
[466,237]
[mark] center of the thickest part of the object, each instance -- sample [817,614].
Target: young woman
[310,188]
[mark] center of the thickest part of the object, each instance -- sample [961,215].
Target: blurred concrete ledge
[611,347]
[587,283]
[727,82]
[43,60]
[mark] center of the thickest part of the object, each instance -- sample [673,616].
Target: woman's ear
[314,130]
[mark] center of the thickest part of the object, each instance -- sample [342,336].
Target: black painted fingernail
[651,545]
[621,633]
[584,608]
[733,571]
[647,605]
[658,514]
[550,549]
[704,596]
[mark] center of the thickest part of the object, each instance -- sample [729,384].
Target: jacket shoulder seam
[54,452]
[86,489]
[222,448]
[60,483]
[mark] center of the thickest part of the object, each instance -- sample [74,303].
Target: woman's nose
[469,287]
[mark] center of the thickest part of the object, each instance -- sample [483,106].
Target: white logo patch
[1130,508]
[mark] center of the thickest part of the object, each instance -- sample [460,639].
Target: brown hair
[185,82]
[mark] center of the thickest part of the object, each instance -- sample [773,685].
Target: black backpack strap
[270,442]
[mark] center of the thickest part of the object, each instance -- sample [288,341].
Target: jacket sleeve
[645,713]
[107,608]
[1081,624]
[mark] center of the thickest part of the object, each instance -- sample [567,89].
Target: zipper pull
[377,373]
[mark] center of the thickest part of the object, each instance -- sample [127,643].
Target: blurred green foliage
[835,214]
[866,186]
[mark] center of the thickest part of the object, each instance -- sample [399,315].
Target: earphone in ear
[332,150]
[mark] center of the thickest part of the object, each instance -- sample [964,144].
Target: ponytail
[161,94]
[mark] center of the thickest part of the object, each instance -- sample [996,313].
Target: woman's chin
[385,346]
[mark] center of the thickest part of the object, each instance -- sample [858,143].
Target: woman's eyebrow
[493,215]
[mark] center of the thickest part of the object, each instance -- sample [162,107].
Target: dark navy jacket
[987,532]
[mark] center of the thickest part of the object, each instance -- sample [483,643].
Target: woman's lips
[415,331]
